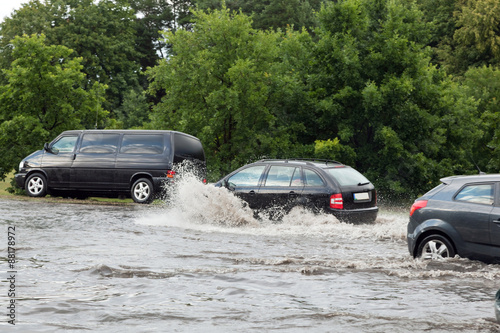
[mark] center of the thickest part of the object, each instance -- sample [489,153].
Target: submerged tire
[435,247]
[142,191]
[36,185]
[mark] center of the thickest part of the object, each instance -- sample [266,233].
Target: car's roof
[305,161]
[127,131]
[482,177]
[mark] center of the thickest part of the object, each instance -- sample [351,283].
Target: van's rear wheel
[36,185]
[142,191]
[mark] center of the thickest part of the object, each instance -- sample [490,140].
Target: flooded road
[203,264]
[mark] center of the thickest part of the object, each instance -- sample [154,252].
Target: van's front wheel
[142,191]
[36,185]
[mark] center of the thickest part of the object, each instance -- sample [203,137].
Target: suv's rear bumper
[365,215]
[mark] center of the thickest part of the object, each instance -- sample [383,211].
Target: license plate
[361,196]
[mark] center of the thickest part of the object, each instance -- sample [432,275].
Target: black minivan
[109,163]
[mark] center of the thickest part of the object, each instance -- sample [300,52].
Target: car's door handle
[497,222]
[292,194]
[252,192]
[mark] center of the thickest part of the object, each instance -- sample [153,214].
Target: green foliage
[44,96]
[100,33]
[483,84]
[271,14]
[478,23]
[378,93]
[334,150]
[222,83]
[134,110]
[466,33]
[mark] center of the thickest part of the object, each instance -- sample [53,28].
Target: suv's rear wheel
[435,247]
[142,191]
[36,185]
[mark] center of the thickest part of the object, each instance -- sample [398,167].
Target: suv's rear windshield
[346,176]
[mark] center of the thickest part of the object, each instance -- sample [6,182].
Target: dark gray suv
[459,216]
[320,185]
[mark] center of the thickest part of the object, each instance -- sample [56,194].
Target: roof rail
[306,160]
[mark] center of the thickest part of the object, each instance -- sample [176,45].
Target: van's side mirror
[47,148]
[230,186]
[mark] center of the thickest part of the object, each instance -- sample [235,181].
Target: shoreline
[49,199]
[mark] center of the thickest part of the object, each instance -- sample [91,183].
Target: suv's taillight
[170,174]
[417,205]
[336,201]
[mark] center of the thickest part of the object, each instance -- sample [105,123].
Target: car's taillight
[417,205]
[170,174]
[336,201]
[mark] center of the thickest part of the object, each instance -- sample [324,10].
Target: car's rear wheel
[142,191]
[36,185]
[435,247]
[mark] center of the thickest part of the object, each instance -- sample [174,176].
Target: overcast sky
[7,6]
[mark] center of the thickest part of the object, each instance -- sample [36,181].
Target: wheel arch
[430,232]
[32,171]
[140,175]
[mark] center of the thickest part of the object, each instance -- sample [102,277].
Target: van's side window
[66,144]
[142,144]
[99,143]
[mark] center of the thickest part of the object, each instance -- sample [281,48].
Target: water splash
[192,204]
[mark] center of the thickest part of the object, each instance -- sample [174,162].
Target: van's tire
[142,191]
[36,185]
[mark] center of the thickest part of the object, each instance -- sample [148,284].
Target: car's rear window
[346,176]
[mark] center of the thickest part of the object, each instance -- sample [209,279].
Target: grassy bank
[6,183]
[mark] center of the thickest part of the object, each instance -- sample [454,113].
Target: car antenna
[477,167]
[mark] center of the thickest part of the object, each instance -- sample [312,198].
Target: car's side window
[283,176]
[99,143]
[482,194]
[66,144]
[312,178]
[297,178]
[247,177]
[142,144]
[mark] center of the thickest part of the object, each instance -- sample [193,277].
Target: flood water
[202,263]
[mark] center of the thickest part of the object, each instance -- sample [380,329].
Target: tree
[483,84]
[377,92]
[221,84]
[102,33]
[475,37]
[44,96]
[271,13]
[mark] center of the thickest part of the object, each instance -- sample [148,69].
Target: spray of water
[190,203]
[193,201]
[194,205]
